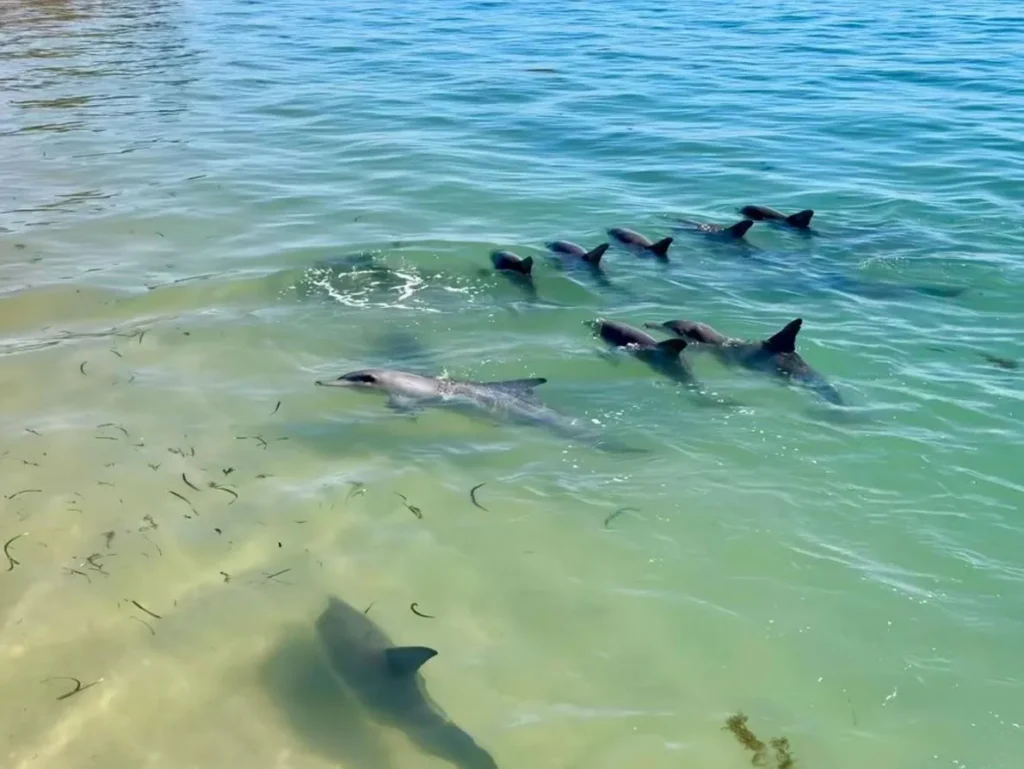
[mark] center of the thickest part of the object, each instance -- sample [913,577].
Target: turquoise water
[186,189]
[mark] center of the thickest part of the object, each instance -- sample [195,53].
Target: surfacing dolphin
[800,220]
[511,400]
[387,682]
[663,357]
[518,270]
[775,356]
[574,256]
[640,243]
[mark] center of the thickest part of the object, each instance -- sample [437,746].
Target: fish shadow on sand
[323,714]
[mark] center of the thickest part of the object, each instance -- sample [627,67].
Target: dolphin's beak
[333,383]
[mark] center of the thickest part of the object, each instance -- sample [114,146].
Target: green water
[186,187]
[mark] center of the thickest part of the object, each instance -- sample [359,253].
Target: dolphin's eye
[367,378]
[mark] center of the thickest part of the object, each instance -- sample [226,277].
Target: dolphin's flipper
[521,387]
[403,405]
[785,340]
[660,248]
[801,219]
[406,660]
[594,257]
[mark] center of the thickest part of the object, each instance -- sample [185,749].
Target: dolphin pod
[386,679]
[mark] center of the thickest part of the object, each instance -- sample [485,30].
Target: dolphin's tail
[801,219]
[660,249]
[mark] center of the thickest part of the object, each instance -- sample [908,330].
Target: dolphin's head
[367,378]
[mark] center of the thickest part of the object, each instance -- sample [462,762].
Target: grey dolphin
[775,356]
[729,232]
[578,252]
[387,681]
[664,357]
[800,220]
[636,241]
[573,255]
[517,269]
[511,400]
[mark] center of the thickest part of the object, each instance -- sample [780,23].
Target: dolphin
[638,242]
[775,356]
[386,680]
[573,255]
[732,231]
[518,270]
[512,400]
[663,357]
[800,220]
[576,252]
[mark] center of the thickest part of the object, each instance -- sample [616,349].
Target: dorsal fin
[594,257]
[672,346]
[661,247]
[404,661]
[526,265]
[517,386]
[785,340]
[801,219]
[739,229]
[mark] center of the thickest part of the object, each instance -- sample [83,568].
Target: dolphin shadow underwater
[324,715]
[338,686]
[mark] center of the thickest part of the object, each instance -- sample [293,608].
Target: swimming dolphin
[387,681]
[636,241]
[573,255]
[775,356]
[577,252]
[664,357]
[512,400]
[800,220]
[518,270]
[732,231]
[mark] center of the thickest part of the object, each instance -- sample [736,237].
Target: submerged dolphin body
[663,357]
[512,400]
[724,231]
[386,680]
[775,356]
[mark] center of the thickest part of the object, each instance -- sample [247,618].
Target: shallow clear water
[177,174]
